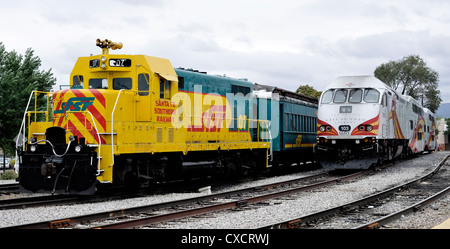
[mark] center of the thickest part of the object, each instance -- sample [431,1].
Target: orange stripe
[97,115]
[99,97]
[93,132]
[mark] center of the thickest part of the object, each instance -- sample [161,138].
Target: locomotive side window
[122,83]
[164,89]
[167,90]
[327,97]
[77,80]
[355,96]
[98,84]
[143,87]
[384,100]
[371,96]
[340,96]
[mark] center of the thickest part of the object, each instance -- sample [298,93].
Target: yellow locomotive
[125,121]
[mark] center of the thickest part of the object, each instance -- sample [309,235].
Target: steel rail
[9,187]
[37,201]
[222,206]
[413,208]
[124,212]
[301,221]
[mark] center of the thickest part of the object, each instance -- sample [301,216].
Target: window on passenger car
[327,96]
[98,83]
[355,96]
[122,83]
[371,96]
[340,96]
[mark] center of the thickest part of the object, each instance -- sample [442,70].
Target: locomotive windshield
[371,96]
[355,95]
[98,84]
[122,83]
[327,96]
[340,96]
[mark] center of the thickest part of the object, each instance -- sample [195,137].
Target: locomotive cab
[351,119]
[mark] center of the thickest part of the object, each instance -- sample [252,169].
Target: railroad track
[35,201]
[144,210]
[148,219]
[146,215]
[353,211]
[45,200]
[10,187]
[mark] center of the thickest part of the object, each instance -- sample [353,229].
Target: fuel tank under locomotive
[58,167]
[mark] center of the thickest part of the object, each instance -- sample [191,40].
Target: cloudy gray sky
[286,43]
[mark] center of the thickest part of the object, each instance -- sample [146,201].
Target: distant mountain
[444,110]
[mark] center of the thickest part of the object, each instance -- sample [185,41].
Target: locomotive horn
[107,44]
[116,45]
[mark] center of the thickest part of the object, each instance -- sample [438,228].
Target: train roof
[199,75]
[265,91]
[428,111]
[412,100]
[364,81]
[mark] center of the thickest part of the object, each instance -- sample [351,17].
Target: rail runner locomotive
[362,121]
[128,120]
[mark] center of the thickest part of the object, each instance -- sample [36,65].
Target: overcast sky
[283,43]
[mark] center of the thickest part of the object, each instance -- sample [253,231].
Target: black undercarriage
[56,167]
[358,154]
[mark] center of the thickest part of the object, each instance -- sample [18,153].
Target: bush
[9,175]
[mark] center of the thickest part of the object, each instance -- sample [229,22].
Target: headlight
[328,128]
[78,148]
[361,128]
[369,128]
[33,148]
[322,128]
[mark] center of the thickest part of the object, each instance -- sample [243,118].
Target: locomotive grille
[159,135]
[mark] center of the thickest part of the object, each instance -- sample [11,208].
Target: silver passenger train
[362,121]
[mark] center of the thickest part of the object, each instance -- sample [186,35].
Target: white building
[441,138]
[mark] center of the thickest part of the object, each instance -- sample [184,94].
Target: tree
[19,76]
[447,121]
[411,75]
[308,91]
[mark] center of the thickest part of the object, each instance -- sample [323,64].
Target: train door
[143,110]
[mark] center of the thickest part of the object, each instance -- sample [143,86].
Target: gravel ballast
[274,211]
